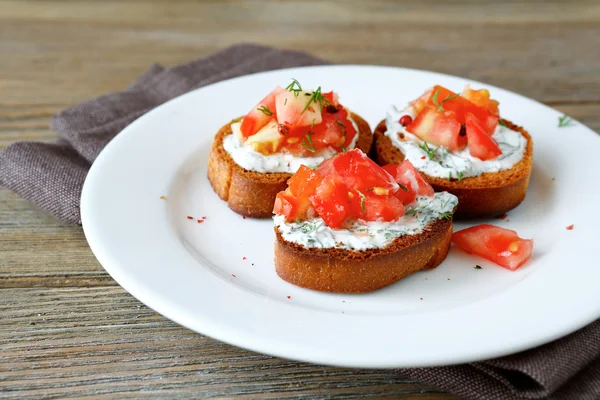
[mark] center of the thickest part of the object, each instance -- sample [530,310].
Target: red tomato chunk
[499,245]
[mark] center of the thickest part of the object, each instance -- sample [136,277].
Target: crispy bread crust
[488,195]
[251,193]
[347,271]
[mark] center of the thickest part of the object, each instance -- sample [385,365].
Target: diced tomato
[256,119]
[359,172]
[296,109]
[449,101]
[326,167]
[419,104]
[332,98]
[410,179]
[480,144]
[380,208]
[501,246]
[482,99]
[438,128]
[286,205]
[335,131]
[331,201]
[304,182]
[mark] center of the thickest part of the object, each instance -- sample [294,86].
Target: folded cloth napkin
[51,175]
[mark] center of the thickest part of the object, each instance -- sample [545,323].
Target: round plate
[217,277]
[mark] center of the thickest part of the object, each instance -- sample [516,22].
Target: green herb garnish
[344,149]
[307,142]
[428,150]
[502,123]
[315,97]
[478,267]
[362,200]
[459,174]
[294,87]
[265,110]
[446,215]
[403,187]
[565,121]
[440,105]
[237,120]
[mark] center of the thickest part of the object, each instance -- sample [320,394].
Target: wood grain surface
[66,328]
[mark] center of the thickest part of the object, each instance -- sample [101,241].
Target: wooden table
[66,328]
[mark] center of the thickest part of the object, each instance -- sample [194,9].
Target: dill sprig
[316,97]
[565,121]
[459,175]
[428,150]
[265,110]
[307,142]
[403,187]
[362,200]
[294,87]
[440,105]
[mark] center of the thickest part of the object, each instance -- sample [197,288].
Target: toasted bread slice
[348,271]
[251,193]
[488,195]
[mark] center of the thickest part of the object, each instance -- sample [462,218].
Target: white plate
[217,277]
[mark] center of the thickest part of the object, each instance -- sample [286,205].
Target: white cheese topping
[364,235]
[246,157]
[460,164]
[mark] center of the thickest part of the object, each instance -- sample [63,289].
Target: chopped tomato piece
[380,208]
[438,128]
[411,181]
[450,101]
[326,167]
[332,98]
[482,99]
[331,201]
[359,172]
[286,205]
[261,114]
[419,104]
[304,182]
[480,144]
[296,109]
[499,245]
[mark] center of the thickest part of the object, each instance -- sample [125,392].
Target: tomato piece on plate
[438,128]
[480,144]
[482,99]
[256,119]
[332,98]
[296,109]
[359,172]
[375,207]
[410,179]
[287,205]
[331,201]
[499,245]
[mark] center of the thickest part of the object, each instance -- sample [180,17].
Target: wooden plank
[101,341]
[64,52]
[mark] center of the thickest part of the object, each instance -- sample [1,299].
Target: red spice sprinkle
[243,216]
[204,217]
[503,216]
[423,157]
[188,217]
[234,275]
[244,258]
[289,297]
[570,227]
[200,221]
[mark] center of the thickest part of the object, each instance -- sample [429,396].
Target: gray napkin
[51,175]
